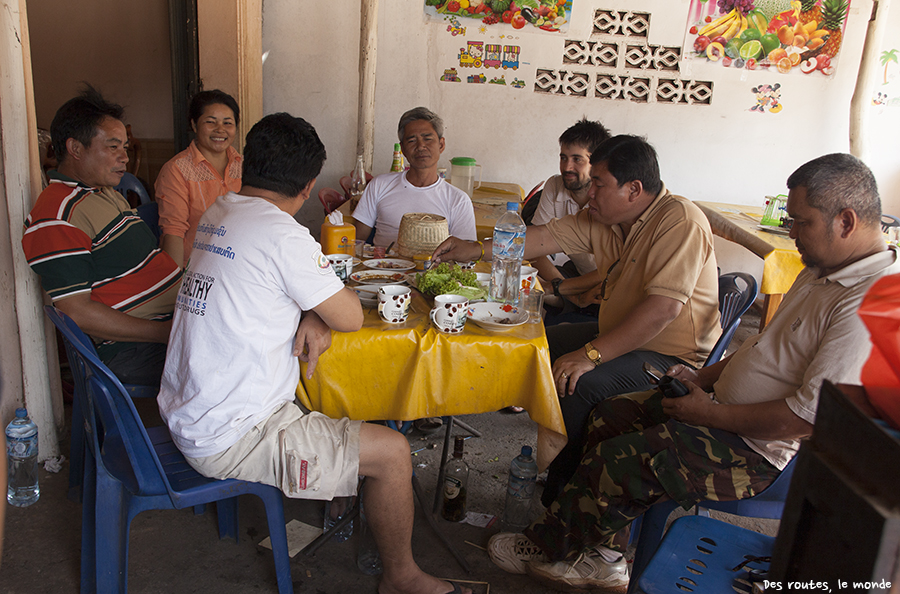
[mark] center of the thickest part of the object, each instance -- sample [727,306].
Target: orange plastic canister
[338,239]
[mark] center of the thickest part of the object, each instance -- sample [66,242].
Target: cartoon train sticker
[511,57]
[470,56]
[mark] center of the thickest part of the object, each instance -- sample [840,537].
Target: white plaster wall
[884,120]
[720,152]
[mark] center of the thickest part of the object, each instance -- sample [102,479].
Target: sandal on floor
[428,425]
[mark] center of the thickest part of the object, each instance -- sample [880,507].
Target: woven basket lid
[421,233]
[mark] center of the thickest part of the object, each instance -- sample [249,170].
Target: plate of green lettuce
[445,279]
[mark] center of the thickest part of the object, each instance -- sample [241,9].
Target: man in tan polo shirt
[658,293]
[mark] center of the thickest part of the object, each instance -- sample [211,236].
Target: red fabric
[880,312]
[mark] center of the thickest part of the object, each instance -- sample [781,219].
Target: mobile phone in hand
[666,384]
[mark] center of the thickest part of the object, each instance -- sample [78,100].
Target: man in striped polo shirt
[97,259]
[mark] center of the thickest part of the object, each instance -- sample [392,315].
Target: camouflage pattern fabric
[636,456]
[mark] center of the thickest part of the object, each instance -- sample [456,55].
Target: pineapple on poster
[788,36]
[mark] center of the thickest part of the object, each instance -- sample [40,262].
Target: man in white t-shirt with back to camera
[418,189]
[257,294]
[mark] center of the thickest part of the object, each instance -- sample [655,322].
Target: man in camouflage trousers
[744,417]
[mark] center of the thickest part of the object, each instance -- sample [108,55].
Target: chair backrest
[529,207]
[331,199]
[118,436]
[888,221]
[130,183]
[734,301]
[149,213]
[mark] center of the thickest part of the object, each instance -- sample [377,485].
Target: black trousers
[622,375]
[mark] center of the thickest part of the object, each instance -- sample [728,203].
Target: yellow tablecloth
[410,371]
[738,223]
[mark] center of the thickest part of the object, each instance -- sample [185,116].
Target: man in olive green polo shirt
[658,294]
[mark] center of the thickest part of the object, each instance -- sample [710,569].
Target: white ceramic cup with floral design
[528,277]
[449,313]
[393,303]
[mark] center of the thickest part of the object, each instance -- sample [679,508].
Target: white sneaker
[588,572]
[511,552]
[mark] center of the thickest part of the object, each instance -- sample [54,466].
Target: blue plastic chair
[699,555]
[149,213]
[733,303]
[129,183]
[77,444]
[129,469]
[768,504]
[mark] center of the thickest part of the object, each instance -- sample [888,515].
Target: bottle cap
[512,206]
[396,146]
[526,451]
[21,413]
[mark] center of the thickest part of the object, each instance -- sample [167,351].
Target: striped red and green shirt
[81,239]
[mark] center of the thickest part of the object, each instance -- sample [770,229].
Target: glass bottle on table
[357,182]
[397,161]
[456,481]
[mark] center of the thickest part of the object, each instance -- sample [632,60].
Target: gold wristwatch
[593,354]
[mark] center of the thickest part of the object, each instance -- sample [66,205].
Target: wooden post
[368,52]
[860,105]
[20,184]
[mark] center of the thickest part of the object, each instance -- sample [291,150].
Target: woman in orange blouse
[192,180]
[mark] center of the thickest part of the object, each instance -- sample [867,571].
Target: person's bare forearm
[174,246]
[579,284]
[103,322]
[762,420]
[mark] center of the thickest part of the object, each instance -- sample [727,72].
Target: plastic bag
[880,312]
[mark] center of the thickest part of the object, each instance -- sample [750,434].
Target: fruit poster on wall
[800,37]
[550,16]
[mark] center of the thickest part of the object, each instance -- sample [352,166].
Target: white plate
[378,277]
[368,295]
[775,230]
[488,315]
[392,264]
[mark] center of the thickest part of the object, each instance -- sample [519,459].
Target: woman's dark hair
[282,154]
[79,118]
[628,158]
[204,99]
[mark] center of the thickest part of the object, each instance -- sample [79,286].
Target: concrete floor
[179,552]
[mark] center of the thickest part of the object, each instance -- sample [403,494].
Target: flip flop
[428,425]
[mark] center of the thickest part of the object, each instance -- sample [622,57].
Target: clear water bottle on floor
[334,511]
[520,490]
[508,251]
[367,558]
[22,460]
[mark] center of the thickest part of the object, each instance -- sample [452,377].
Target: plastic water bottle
[520,490]
[334,511]
[367,558]
[508,250]
[22,460]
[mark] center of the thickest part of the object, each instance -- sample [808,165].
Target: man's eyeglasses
[603,296]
